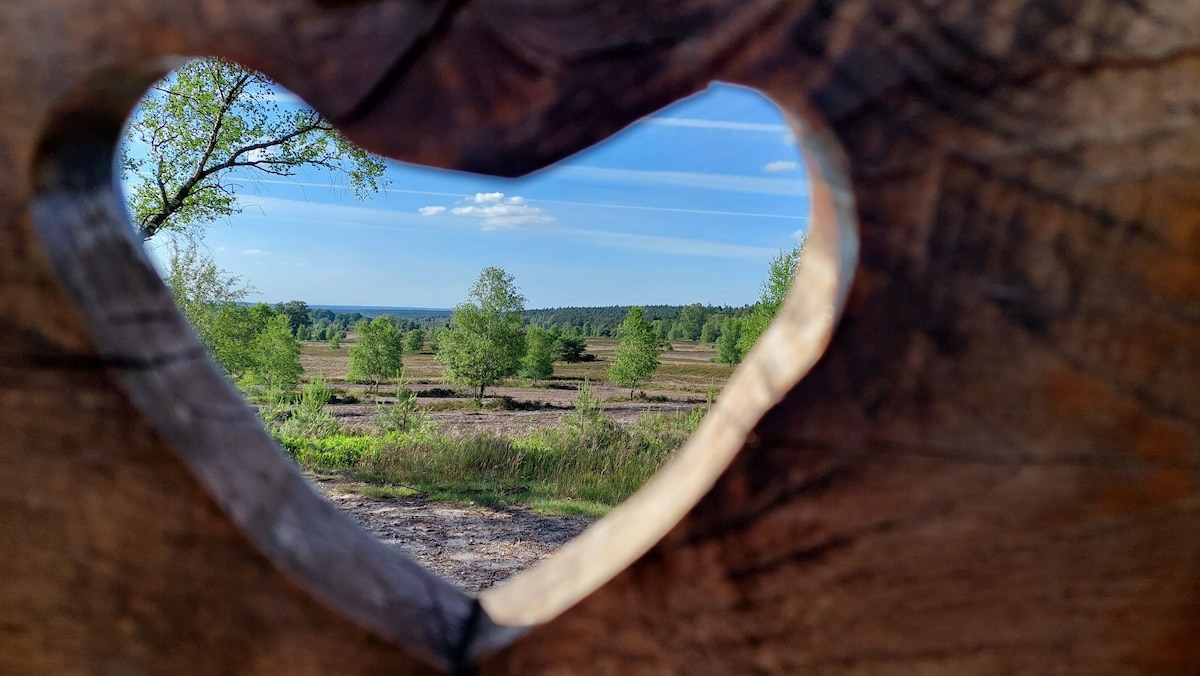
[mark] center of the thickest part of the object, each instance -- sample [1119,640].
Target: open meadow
[685,379]
[572,443]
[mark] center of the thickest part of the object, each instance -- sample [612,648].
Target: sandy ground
[477,547]
[473,547]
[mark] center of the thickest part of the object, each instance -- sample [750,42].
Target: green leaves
[486,338]
[538,362]
[636,356]
[254,345]
[213,123]
[377,352]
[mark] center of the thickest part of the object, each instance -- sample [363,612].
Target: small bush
[310,418]
[402,416]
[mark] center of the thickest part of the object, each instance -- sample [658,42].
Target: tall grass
[588,464]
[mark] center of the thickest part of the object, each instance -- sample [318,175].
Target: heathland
[569,443]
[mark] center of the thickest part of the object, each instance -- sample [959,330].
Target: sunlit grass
[583,466]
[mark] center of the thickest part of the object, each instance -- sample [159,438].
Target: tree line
[487,338]
[213,123]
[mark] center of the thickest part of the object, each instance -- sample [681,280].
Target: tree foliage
[538,362]
[636,356]
[780,274]
[414,340]
[377,353]
[486,337]
[691,322]
[572,348]
[727,342]
[211,123]
[253,345]
[274,356]
[711,330]
[297,314]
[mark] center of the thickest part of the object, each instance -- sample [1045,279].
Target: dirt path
[473,547]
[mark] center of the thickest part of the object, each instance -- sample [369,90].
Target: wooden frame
[989,465]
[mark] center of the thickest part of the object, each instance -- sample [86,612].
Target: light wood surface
[970,444]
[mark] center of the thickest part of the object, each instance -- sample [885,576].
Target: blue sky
[688,205]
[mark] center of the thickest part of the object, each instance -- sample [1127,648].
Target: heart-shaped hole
[165,373]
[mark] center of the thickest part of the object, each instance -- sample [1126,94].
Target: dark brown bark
[991,466]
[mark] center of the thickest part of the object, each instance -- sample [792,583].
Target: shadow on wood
[989,465]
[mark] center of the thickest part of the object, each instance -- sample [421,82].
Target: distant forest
[670,322]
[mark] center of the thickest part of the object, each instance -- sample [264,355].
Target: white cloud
[495,210]
[780,165]
[252,252]
[488,198]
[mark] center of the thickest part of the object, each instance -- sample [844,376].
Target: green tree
[538,362]
[658,327]
[414,340]
[727,343]
[712,328]
[486,339]
[275,357]
[253,345]
[197,283]
[377,352]
[779,279]
[208,296]
[211,123]
[572,348]
[229,333]
[297,314]
[691,321]
[637,354]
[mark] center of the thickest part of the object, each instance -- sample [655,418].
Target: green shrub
[310,418]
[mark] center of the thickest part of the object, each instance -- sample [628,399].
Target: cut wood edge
[149,350]
[793,342]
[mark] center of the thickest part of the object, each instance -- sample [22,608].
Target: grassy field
[686,369]
[533,444]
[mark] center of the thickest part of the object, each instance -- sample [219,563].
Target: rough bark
[990,465]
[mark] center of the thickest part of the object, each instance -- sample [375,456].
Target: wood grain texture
[991,468]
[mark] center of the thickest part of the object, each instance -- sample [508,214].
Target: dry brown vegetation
[684,380]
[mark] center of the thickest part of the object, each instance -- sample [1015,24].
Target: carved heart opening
[146,347]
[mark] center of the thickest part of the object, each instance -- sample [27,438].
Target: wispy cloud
[337,215]
[780,165]
[436,210]
[676,210]
[334,186]
[728,125]
[690,179]
[252,252]
[495,210]
[677,246]
[354,215]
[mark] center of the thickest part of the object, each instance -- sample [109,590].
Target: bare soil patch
[472,546]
